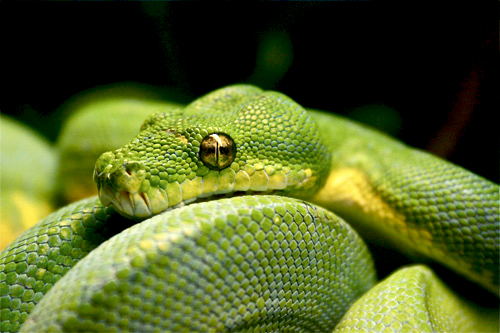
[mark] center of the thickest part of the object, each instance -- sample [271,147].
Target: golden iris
[217,151]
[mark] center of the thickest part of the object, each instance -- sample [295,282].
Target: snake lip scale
[132,200]
[137,205]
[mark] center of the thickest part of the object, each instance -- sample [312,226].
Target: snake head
[235,140]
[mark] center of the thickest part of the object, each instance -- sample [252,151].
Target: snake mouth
[133,205]
[141,205]
[138,205]
[127,188]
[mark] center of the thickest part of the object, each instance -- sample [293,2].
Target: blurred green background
[425,74]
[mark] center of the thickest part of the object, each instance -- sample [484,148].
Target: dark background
[426,74]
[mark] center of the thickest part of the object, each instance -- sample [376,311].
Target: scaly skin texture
[417,202]
[235,264]
[38,258]
[411,298]
[78,155]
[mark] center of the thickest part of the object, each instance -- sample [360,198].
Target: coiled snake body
[235,194]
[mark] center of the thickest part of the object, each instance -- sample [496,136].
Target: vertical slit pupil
[217,147]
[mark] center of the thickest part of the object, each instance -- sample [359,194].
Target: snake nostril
[131,167]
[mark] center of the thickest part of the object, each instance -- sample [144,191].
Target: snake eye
[217,151]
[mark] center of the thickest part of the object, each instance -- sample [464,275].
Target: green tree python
[219,216]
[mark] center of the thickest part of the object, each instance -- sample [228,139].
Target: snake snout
[119,184]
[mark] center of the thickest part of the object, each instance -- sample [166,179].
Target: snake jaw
[131,193]
[136,205]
